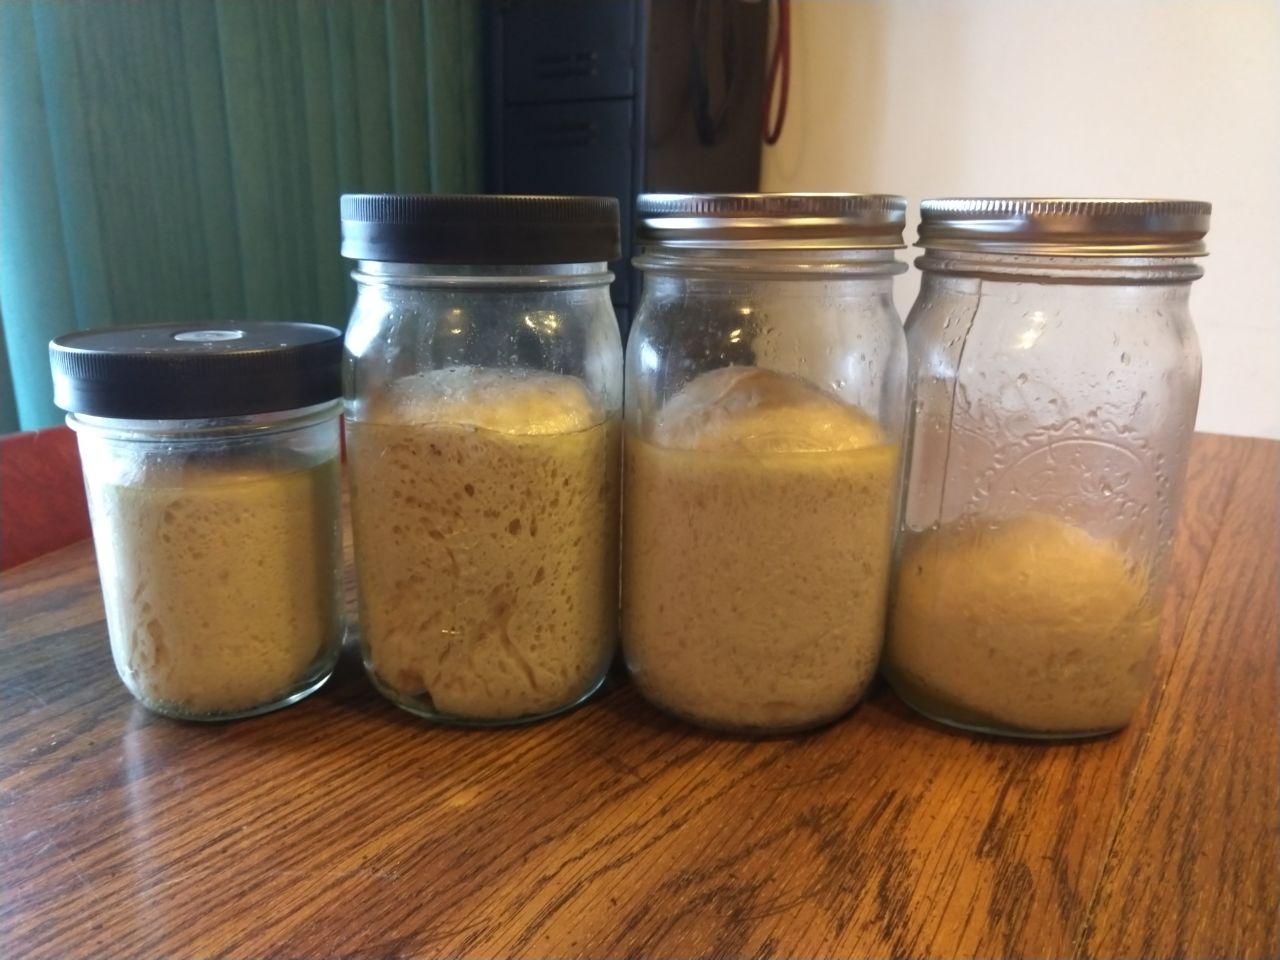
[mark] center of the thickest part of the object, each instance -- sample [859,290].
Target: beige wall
[1177,98]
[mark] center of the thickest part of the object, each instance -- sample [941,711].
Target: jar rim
[1066,226]
[768,261]
[191,371]
[1044,268]
[479,228]
[202,429]
[823,221]
[548,276]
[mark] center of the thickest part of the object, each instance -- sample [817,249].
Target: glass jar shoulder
[405,330]
[1072,400]
[840,337]
[227,450]
[1020,352]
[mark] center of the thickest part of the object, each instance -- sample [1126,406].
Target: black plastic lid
[196,371]
[481,230]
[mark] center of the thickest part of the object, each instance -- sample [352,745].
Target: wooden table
[343,827]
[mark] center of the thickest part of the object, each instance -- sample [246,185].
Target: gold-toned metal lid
[835,221]
[1066,227]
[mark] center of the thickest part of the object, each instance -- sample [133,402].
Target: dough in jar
[1027,623]
[486,524]
[758,530]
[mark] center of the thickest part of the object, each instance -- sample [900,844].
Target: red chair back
[42,501]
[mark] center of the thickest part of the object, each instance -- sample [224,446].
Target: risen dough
[486,525]
[756,552]
[1029,624]
[221,585]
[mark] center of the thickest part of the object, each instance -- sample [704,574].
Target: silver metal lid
[834,221]
[1066,227]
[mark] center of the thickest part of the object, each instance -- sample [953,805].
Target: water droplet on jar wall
[1022,379]
[1124,359]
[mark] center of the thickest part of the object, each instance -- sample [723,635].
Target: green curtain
[174,160]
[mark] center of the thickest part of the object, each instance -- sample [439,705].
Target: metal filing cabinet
[594,97]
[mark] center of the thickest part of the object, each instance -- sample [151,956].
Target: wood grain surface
[342,827]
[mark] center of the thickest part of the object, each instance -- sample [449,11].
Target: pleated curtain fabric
[175,160]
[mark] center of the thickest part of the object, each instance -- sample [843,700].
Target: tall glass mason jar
[484,391]
[1055,376]
[765,401]
[211,463]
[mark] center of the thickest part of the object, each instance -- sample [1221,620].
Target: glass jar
[211,462]
[484,388]
[1055,376]
[765,388]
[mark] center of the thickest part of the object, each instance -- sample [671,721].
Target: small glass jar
[211,462]
[1055,376]
[765,395]
[484,387]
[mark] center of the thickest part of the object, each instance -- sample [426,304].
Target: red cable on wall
[780,61]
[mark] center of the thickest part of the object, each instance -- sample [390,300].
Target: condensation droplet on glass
[1022,379]
[1124,359]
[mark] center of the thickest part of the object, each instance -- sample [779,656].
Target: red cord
[781,58]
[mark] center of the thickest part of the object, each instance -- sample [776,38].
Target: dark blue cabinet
[597,97]
[576,148]
[569,51]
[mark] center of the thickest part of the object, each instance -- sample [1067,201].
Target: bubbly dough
[1028,624]
[749,410]
[518,402]
[756,552]
[221,587]
[485,511]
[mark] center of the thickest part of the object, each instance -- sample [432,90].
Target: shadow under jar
[484,387]
[1055,376]
[765,396]
[211,463]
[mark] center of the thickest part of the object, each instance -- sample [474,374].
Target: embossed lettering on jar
[1055,376]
